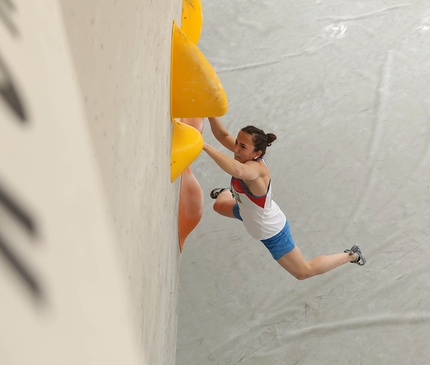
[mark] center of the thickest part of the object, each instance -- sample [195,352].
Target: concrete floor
[344,86]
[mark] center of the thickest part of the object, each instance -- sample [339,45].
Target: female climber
[249,199]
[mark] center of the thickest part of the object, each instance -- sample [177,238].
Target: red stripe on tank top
[239,186]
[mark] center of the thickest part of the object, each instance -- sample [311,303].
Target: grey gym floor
[345,87]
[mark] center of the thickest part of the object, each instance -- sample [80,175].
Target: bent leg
[301,269]
[224,204]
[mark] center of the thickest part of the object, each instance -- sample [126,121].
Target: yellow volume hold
[195,89]
[192,19]
[187,143]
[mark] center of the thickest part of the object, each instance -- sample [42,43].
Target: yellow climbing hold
[195,89]
[187,143]
[192,19]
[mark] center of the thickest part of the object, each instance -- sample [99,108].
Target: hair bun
[270,138]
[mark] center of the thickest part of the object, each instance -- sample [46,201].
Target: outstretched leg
[224,204]
[301,269]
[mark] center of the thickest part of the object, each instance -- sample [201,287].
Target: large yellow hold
[196,90]
[192,19]
[187,143]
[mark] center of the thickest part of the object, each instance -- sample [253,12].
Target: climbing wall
[62,295]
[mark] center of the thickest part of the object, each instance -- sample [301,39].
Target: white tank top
[261,216]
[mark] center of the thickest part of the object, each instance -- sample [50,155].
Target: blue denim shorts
[278,245]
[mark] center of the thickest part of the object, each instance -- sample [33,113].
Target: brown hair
[260,139]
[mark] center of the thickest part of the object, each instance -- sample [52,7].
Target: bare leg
[301,269]
[224,204]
